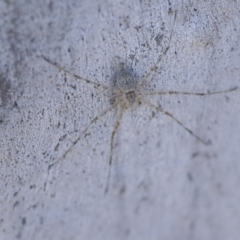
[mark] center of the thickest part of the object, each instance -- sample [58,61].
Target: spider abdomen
[125,80]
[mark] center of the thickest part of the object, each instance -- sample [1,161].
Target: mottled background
[165,184]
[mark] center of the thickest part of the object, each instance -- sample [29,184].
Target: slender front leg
[176,120]
[155,66]
[80,136]
[97,85]
[112,141]
[188,93]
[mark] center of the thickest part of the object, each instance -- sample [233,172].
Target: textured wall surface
[164,184]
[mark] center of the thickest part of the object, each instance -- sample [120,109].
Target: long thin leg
[80,136]
[98,85]
[189,93]
[176,120]
[155,66]
[111,143]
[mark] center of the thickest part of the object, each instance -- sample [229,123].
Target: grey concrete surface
[164,183]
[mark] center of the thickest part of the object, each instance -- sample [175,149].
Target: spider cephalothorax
[130,97]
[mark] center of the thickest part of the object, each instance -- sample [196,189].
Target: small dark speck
[41,220]
[122,190]
[15,104]
[207,155]
[195,154]
[219,186]
[209,142]
[15,204]
[158,39]
[73,87]
[56,147]
[192,225]
[15,194]
[131,56]
[23,221]
[53,195]
[50,6]
[138,27]
[61,138]
[227,98]
[87,134]
[127,232]
[4,89]
[189,176]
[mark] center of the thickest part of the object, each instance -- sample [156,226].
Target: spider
[127,92]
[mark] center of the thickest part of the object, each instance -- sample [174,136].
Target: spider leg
[80,136]
[189,93]
[176,120]
[97,85]
[155,66]
[111,143]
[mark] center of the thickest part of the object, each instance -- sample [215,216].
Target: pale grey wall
[165,184]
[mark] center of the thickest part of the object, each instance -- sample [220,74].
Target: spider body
[125,79]
[126,87]
[125,92]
